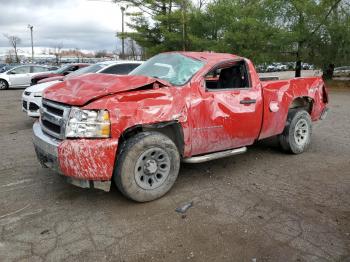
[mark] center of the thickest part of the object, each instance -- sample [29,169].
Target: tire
[296,136]
[3,84]
[147,166]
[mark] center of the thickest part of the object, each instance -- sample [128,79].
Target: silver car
[20,76]
[343,71]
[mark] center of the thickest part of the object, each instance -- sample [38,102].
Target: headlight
[88,123]
[37,94]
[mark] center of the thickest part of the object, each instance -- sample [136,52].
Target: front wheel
[147,166]
[3,84]
[296,136]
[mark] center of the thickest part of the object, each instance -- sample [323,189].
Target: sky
[84,24]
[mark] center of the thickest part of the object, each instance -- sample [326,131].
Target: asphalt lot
[263,205]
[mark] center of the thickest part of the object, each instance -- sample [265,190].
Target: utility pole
[122,8]
[31,38]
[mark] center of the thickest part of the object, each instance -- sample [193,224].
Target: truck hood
[80,90]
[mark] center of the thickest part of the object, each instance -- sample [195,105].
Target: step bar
[213,156]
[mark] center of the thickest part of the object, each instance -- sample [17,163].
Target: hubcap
[301,132]
[2,85]
[152,168]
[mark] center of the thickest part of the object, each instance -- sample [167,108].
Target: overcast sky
[83,24]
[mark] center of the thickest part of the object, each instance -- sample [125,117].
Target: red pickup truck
[178,106]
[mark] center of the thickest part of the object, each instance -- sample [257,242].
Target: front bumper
[31,105]
[73,161]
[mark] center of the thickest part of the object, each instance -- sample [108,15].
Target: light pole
[31,38]
[122,8]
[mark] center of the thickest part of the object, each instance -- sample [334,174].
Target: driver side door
[228,113]
[19,75]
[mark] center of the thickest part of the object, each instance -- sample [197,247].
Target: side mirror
[11,73]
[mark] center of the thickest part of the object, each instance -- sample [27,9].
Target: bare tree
[101,53]
[57,52]
[132,49]
[14,42]
[9,57]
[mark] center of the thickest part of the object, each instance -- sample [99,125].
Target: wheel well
[172,129]
[302,102]
[1,79]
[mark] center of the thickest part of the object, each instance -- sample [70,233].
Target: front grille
[26,93]
[24,104]
[53,127]
[54,110]
[53,118]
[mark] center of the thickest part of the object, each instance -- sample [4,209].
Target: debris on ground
[44,232]
[184,208]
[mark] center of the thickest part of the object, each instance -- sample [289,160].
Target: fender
[163,109]
[279,97]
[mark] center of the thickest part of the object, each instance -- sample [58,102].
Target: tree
[159,25]
[57,51]
[9,57]
[14,42]
[101,54]
[316,31]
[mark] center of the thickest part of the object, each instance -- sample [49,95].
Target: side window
[122,69]
[73,68]
[228,77]
[133,66]
[21,70]
[37,69]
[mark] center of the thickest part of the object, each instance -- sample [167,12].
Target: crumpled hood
[80,90]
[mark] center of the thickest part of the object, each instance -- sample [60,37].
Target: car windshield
[62,69]
[6,68]
[85,70]
[175,68]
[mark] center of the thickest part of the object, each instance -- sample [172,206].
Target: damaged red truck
[178,106]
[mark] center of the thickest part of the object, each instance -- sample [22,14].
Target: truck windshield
[175,68]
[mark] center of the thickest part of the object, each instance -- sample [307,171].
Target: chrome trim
[216,155]
[44,142]
[59,120]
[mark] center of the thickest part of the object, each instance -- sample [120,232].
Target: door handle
[247,101]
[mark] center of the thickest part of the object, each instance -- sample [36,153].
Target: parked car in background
[32,96]
[62,71]
[281,67]
[343,71]
[20,76]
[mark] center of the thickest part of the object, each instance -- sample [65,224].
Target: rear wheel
[296,136]
[147,166]
[3,84]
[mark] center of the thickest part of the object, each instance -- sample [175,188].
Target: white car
[32,96]
[20,76]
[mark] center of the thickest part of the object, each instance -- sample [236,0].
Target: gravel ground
[263,205]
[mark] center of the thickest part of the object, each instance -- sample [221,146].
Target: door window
[20,70]
[231,76]
[37,69]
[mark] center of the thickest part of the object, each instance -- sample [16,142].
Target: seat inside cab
[229,76]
